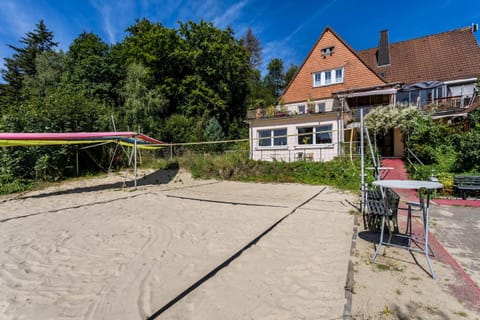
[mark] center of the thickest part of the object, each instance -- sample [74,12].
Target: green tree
[213,130]
[23,61]
[51,67]
[254,48]
[90,66]
[292,70]
[178,128]
[275,78]
[144,106]
[159,49]
[217,85]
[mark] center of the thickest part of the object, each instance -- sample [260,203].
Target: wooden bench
[466,185]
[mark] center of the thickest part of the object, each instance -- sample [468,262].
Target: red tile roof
[445,56]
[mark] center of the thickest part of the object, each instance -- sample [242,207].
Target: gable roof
[444,56]
[305,68]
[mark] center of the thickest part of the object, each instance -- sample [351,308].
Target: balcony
[449,105]
[269,113]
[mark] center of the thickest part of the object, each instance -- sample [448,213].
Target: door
[385,143]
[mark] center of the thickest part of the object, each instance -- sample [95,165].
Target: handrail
[414,156]
[410,154]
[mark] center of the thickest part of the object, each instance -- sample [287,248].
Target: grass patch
[339,173]
[8,185]
[159,164]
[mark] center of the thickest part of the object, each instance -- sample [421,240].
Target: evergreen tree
[23,61]
[292,70]
[213,130]
[275,79]
[35,42]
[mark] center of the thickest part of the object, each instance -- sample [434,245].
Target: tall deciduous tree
[90,68]
[144,106]
[219,75]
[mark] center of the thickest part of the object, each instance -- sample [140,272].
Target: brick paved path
[458,230]
[454,237]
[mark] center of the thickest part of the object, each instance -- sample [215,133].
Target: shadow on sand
[162,176]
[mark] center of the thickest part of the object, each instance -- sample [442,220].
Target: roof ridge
[353,51]
[422,37]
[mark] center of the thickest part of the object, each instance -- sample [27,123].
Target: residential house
[318,112]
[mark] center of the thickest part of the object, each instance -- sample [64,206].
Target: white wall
[293,150]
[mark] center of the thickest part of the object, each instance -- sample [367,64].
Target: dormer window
[328,51]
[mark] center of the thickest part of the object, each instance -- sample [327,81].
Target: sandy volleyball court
[92,250]
[177,248]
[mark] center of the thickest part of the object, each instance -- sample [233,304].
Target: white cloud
[230,15]
[116,15]
[284,48]
[311,18]
[16,20]
[278,49]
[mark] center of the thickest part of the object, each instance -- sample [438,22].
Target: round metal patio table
[419,185]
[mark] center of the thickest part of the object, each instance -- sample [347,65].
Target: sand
[91,249]
[82,250]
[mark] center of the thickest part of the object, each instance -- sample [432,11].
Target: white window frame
[317,82]
[321,107]
[339,79]
[302,109]
[320,78]
[315,129]
[273,139]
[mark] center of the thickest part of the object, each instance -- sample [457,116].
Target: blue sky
[286,29]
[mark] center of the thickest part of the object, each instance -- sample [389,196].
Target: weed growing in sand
[398,291]
[461,314]
[427,308]
[390,265]
[403,280]
[386,312]
[382,267]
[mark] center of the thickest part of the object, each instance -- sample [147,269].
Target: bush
[9,184]
[340,173]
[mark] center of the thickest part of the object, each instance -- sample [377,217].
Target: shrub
[340,172]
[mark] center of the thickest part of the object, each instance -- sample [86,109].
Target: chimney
[383,53]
